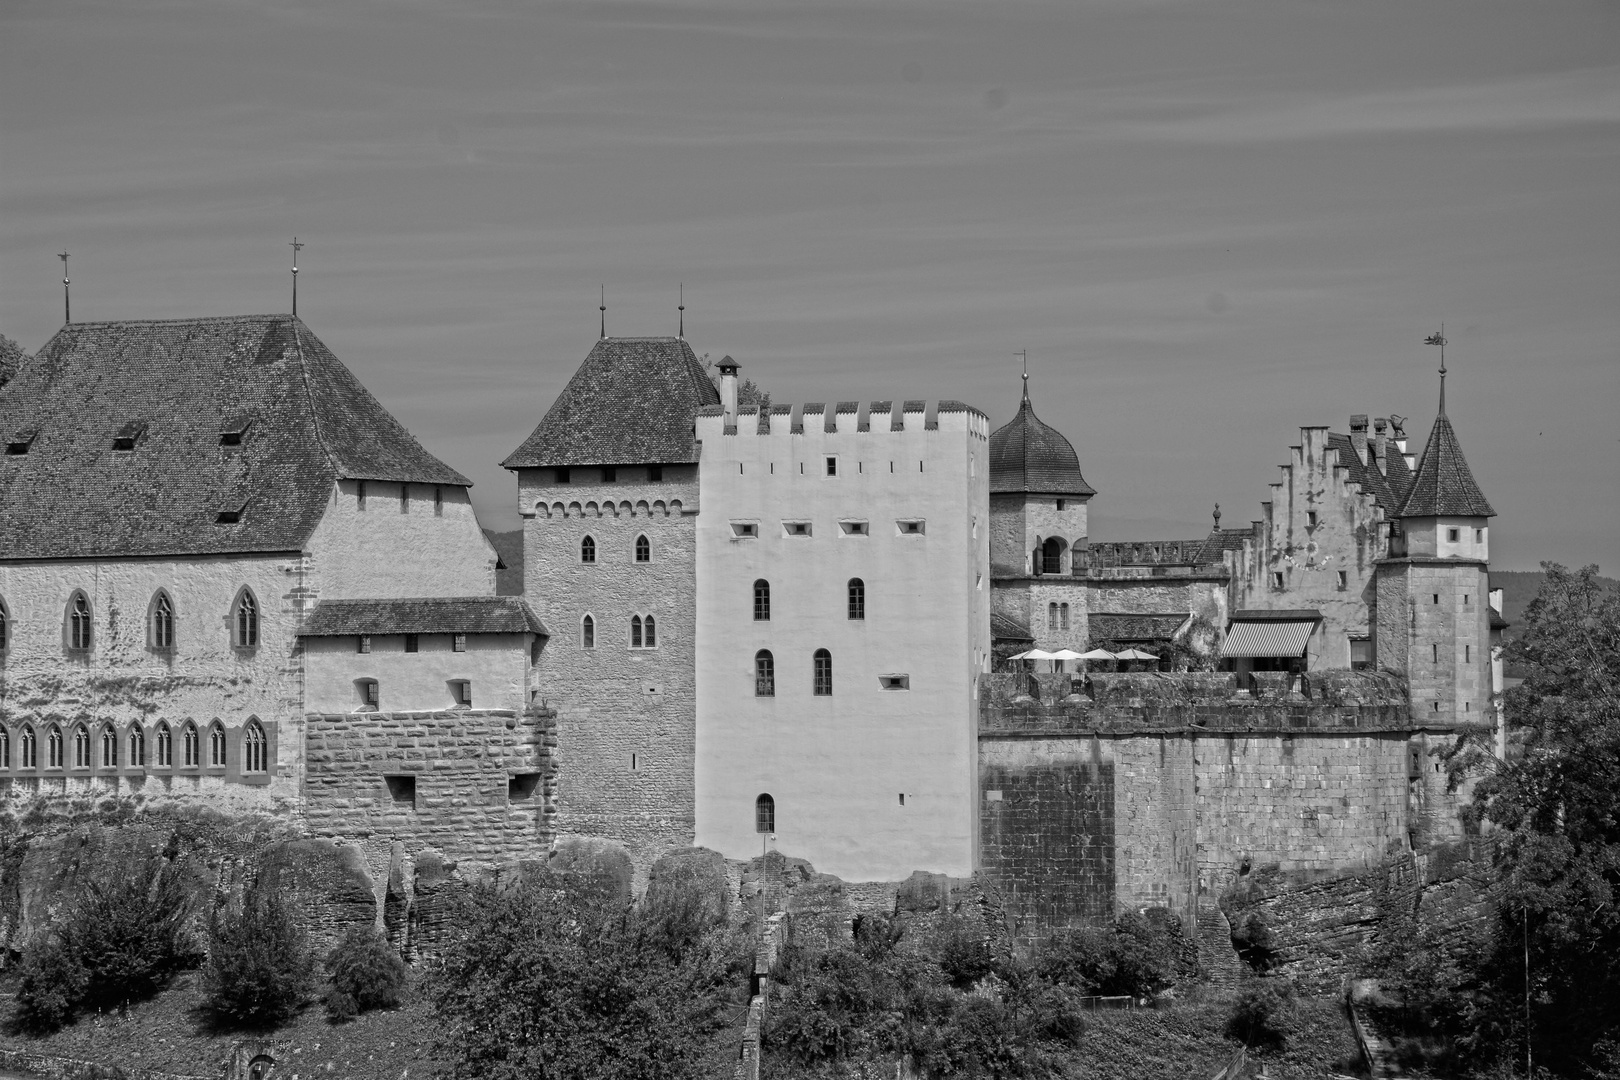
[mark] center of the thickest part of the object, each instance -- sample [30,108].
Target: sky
[1208,223]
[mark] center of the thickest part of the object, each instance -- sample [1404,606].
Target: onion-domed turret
[1027,456]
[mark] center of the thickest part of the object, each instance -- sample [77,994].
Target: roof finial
[1217,517]
[297,247]
[1024,355]
[603,309]
[1440,340]
[67,308]
[681,307]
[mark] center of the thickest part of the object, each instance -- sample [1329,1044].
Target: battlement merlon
[846,417]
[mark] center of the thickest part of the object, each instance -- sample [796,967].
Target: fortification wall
[479,782]
[427,544]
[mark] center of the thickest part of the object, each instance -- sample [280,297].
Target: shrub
[1263,1015]
[1133,957]
[120,938]
[964,954]
[365,973]
[259,967]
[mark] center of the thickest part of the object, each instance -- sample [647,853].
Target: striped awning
[1269,638]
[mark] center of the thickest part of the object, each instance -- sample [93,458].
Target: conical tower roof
[1443,486]
[1027,456]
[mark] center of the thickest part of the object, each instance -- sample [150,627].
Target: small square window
[362,644]
[796,528]
[610,475]
[522,786]
[895,682]
[402,789]
[1310,519]
[853,528]
[1061,503]
[832,466]
[370,695]
[914,527]
[1344,579]
[411,643]
[1437,598]
[655,473]
[561,476]
[458,643]
[1452,534]
[1276,579]
[1479,536]
[746,530]
[461,693]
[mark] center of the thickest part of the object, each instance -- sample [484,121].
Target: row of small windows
[103,752]
[404,499]
[643,632]
[610,474]
[821,674]
[587,549]
[370,694]
[79,633]
[854,596]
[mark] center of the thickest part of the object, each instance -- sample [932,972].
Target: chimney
[1358,435]
[728,389]
[1380,442]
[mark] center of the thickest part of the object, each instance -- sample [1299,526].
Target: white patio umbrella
[1065,654]
[1135,654]
[1098,654]
[1032,654]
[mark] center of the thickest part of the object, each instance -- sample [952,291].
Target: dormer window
[233,430]
[19,443]
[231,512]
[129,435]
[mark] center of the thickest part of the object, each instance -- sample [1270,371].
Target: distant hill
[1519,587]
[509,546]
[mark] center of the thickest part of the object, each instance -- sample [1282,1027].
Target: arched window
[635,631]
[643,549]
[160,624]
[255,748]
[857,598]
[245,625]
[762,601]
[191,756]
[587,549]
[53,748]
[823,673]
[764,814]
[1063,615]
[5,749]
[587,633]
[109,747]
[649,632]
[164,745]
[1051,616]
[764,674]
[216,745]
[81,747]
[5,625]
[79,622]
[137,746]
[1052,556]
[27,750]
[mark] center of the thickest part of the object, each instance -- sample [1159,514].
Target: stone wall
[475,785]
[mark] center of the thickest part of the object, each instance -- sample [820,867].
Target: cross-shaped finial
[1023,354]
[67,309]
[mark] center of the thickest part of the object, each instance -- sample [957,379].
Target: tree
[1556,814]
[259,968]
[749,395]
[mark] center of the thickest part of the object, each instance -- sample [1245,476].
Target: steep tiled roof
[175,386]
[1006,628]
[631,402]
[1219,542]
[1388,487]
[1028,456]
[1443,486]
[423,615]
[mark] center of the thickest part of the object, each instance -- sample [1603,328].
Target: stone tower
[1038,532]
[608,490]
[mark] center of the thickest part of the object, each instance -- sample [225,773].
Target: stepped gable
[1028,456]
[1443,486]
[1388,488]
[631,402]
[166,392]
[423,615]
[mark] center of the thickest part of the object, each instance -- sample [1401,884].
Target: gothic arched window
[649,632]
[190,753]
[137,746]
[245,620]
[823,673]
[216,745]
[160,624]
[164,758]
[81,747]
[5,749]
[643,549]
[764,674]
[255,748]
[5,625]
[635,631]
[79,622]
[762,601]
[109,747]
[54,755]
[587,550]
[857,599]
[587,633]
[27,750]
[1052,556]
[764,814]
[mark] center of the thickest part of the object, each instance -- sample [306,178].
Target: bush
[120,938]
[259,967]
[364,973]
[1134,957]
[964,954]
[1263,1015]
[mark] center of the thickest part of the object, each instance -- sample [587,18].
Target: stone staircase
[1215,953]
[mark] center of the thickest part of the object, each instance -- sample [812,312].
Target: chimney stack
[1358,435]
[1380,441]
[728,389]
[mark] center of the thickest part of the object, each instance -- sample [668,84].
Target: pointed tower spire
[602,307]
[681,307]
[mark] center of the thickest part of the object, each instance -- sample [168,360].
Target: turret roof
[1443,486]
[1029,456]
[129,453]
[631,402]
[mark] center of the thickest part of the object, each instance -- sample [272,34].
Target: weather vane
[297,247]
[681,307]
[1023,354]
[603,309]
[67,308]
[1440,340]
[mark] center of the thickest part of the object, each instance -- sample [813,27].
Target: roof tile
[1443,486]
[423,615]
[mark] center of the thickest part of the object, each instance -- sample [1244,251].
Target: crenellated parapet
[843,418]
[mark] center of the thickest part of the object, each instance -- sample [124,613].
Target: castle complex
[228,575]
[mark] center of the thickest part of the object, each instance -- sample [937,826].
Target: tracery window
[190,751]
[27,750]
[5,749]
[764,674]
[162,624]
[245,625]
[81,747]
[587,550]
[109,747]
[137,746]
[635,631]
[255,748]
[643,549]
[651,632]
[823,673]
[54,748]
[857,599]
[5,626]
[762,601]
[216,745]
[164,757]
[79,622]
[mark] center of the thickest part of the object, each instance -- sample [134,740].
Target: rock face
[329,882]
[607,862]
